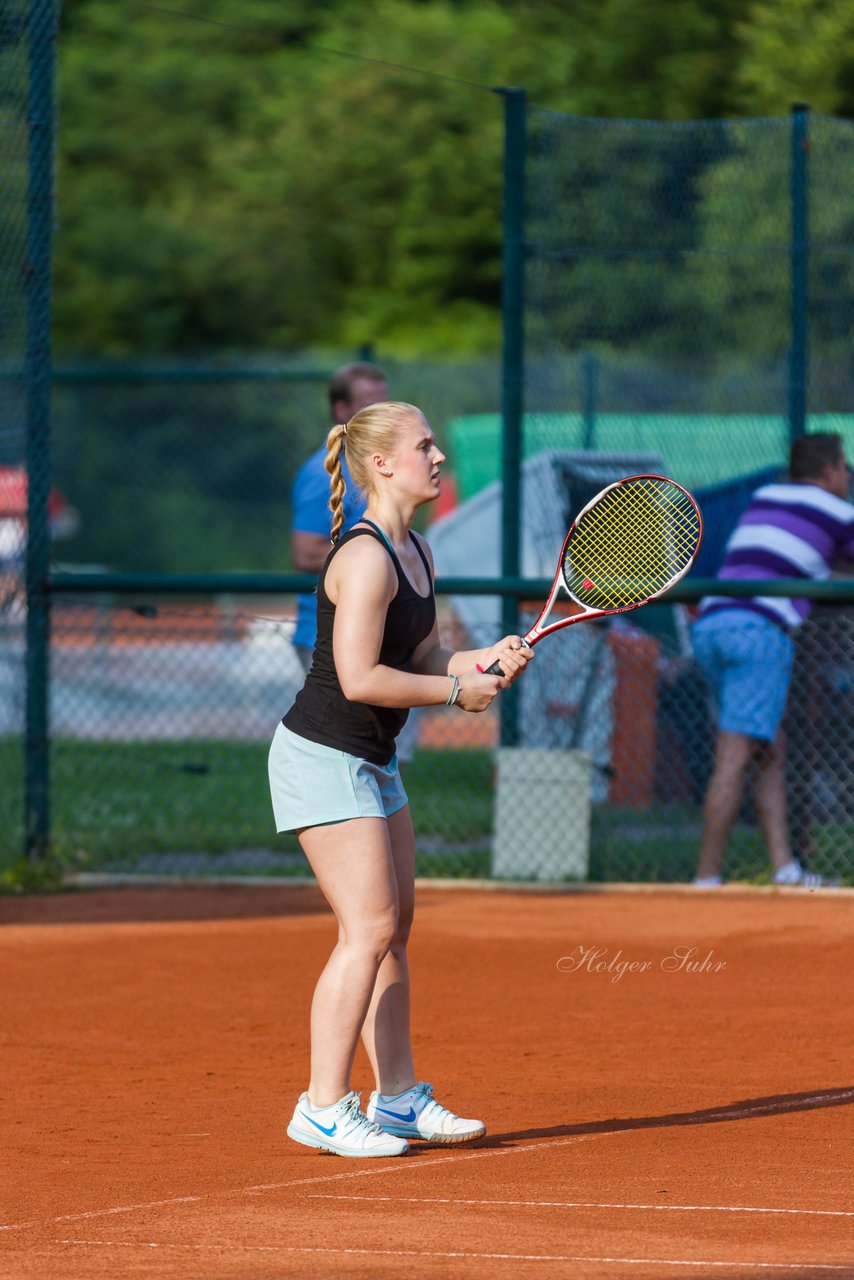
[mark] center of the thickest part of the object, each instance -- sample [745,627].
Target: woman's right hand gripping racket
[629,545]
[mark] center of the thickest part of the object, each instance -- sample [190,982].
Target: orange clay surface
[666,1122]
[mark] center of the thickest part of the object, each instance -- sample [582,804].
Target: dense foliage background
[228,182]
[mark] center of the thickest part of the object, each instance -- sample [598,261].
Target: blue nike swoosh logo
[322,1128]
[394,1115]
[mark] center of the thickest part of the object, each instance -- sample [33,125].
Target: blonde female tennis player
[334,780]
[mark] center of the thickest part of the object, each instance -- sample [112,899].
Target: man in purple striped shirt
[744,647]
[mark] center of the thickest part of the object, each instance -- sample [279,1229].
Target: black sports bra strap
[424,559]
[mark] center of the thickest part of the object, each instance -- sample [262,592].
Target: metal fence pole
[42,24]
[590,374]
[799,354]
[512,367]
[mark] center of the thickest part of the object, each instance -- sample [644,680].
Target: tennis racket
[629,545]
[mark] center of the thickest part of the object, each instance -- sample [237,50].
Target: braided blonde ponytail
[334,449]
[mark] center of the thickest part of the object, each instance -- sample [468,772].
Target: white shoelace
[431,1107]
[354,1118]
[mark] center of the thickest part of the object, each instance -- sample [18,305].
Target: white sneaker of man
[795,874]
[342,1128]
[415,1113]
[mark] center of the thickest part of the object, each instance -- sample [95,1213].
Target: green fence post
[799,356]
[40,120]
[590,374]
[512,368]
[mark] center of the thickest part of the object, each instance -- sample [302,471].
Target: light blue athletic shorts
[312,785]
[747,661]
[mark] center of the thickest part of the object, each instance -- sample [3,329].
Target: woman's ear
[380,465]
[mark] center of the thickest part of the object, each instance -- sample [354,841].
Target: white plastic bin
[542,814]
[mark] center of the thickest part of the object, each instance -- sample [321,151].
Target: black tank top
[321,712]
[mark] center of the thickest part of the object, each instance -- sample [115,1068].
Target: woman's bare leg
[355,870]
[386,1033]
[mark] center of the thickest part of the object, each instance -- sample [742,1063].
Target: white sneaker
[795,874]
[342,1128]
[416,1114]
[812,880]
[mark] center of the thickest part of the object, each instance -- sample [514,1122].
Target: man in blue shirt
[351,388]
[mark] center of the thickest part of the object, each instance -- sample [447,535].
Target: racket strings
[632,548]
[631,561]
[631,543]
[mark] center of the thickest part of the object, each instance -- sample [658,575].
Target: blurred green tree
[797,51]
[229,182]
[223,187]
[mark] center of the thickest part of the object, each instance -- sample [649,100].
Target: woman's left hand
[511,655]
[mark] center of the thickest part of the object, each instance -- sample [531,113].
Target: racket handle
[494,670]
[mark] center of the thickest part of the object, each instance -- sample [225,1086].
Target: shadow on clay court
[747,1109]
[150,903]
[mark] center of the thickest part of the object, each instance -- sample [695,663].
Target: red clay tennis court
[646,1121]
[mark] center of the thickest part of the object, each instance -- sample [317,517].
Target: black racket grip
[494,670]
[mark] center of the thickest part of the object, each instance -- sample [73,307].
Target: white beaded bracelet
[451,699]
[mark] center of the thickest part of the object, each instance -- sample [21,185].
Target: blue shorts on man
[747,661]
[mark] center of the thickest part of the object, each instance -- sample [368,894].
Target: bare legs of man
[736,755]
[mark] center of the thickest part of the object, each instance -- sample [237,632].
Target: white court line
[101,1213]
[125,1208]
[587,1204]
[400,1166]
[460,1253]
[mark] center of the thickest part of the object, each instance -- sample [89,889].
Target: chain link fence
[162,713]
[675,317]
[187,466]
[26,127]
[689,287]
[162,716]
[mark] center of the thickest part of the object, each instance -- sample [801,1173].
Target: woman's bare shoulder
[363,561]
